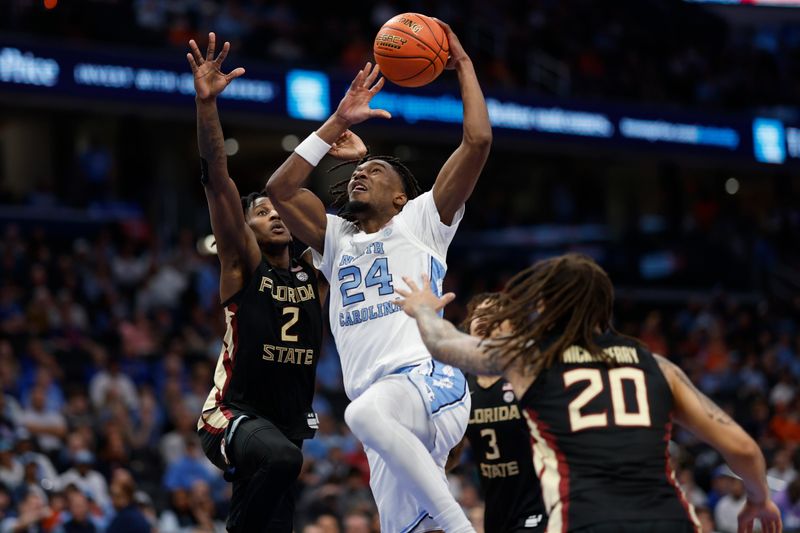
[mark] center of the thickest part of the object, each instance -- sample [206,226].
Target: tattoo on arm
[712,410]
[210,138]
[450,346]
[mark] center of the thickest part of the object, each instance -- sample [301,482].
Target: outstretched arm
[700,415]
[460,173]
[443,340]
[236,244]
[301,209]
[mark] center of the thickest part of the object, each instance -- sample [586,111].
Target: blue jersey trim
[438,272]
[417,521]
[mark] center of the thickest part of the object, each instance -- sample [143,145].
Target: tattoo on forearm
[713,411]
[450,346]
[210,138]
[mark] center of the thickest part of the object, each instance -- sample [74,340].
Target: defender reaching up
[259,410]
[407,409]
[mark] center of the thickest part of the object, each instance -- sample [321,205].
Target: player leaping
[407,409]
[259,409]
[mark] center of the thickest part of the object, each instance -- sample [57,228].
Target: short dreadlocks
[250,199]
[339,189]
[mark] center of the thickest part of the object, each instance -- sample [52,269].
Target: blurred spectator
[6,503]
[33,513]
[788,501]
[112,381]
[192,467]
[11,470]
[694,494]
[357,522]
[173,444]
[727,511]
[80,517]
[782,468]
[128,518]
[48,426]
[191,511]
[87,480]
[706,519]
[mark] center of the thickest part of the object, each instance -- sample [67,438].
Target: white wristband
[312,149]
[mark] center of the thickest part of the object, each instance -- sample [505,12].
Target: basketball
[411,49]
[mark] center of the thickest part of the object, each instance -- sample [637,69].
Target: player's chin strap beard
[351,209]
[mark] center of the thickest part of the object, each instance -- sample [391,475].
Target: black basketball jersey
[501,445]
[600,435]
[270,350]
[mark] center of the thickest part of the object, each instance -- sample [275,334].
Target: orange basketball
[411,49]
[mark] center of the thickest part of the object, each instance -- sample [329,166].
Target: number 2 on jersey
[579,420]
[295,316]
[378,274]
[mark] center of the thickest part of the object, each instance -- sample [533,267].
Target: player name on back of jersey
[620,354]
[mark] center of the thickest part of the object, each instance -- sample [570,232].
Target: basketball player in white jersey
[407,409]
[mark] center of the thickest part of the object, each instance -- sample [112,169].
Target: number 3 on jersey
[378,274]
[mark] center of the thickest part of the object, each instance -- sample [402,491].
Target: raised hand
[209,80]
[348,147]
[354,107]
[457,53]
[416,298]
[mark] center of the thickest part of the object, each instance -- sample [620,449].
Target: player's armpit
[300,209]
[454,457]
[322,283]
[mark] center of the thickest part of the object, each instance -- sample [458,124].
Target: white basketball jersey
[373,335]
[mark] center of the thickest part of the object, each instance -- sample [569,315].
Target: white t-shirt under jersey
[373,335]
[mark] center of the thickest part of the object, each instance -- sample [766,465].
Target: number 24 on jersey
[351,280]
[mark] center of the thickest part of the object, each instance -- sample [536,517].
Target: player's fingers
[357,80]
[379,113]
[192,62]
[235,73]
[411,283]
[426,280]
[367,72]
[198,56]
[376,88]
[402,292]
[443,24]
[342,138]
[212,46]
[373,75]
[223,53]
[446,299]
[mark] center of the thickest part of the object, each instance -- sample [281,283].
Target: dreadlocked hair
[552,305]
[489,298]
[339,189]
[250,199]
